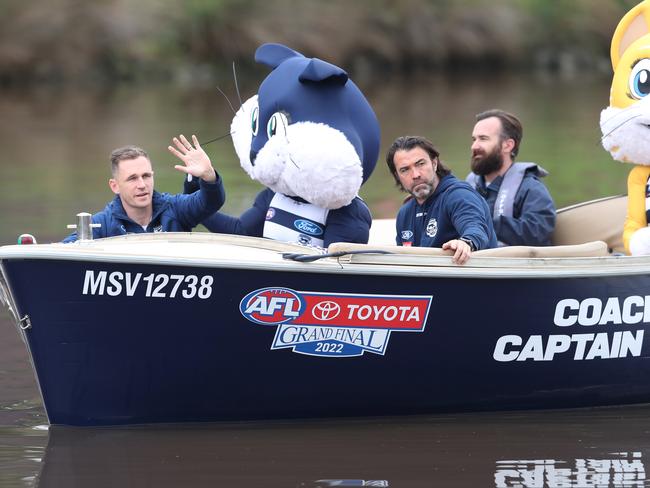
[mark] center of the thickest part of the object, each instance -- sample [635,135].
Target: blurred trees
[108,40]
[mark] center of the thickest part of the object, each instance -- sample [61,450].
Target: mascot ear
[633,25]
[318,70]
[273,54]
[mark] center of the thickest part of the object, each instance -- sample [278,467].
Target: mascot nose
[253,156]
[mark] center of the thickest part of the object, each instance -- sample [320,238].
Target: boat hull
[114,343]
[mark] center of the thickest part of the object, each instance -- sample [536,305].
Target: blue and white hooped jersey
[290,220]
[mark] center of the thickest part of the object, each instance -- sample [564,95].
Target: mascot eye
[277,124]
[640,79]
[255,120]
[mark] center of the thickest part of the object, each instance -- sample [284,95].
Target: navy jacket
[533,219]
[453,210]
[171,213]
[346,224]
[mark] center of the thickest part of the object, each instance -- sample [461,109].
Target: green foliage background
[77,40]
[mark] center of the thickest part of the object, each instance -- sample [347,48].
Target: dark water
[54,164]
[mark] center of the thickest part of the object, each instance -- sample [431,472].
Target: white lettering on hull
[152,285]
[594,311]
[587,347]
[594,342]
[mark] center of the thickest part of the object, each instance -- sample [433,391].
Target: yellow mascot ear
[634,25]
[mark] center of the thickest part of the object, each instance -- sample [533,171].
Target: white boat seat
[600,219]
[588,249]
[584,250]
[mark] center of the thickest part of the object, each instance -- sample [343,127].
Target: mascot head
[309,132]
[625,124]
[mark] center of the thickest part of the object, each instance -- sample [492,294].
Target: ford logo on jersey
[334,324]
[271,306]
[308,227]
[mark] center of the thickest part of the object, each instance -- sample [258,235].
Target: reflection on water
[22,450]
[590,448]
[344,483]
[573,451]
[621,469]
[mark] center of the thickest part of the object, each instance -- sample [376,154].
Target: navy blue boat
[204,327]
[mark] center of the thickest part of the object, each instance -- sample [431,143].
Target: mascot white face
[625,124]
[309,132]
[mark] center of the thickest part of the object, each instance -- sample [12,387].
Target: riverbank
[64,41]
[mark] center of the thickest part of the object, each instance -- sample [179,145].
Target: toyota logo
[326,311]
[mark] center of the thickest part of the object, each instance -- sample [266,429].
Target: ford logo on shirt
[308,227]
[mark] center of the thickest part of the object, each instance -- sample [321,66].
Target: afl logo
[272,306]
[307,227]
[407,235]
[270,213]
[325,311]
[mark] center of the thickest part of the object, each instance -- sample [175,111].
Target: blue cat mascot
[312,139]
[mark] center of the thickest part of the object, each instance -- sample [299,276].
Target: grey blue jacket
[453,210]
[525,217]
[171,213]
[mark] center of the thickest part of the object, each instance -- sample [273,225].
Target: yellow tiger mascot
[625,124]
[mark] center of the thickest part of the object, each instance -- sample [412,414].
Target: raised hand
[196,161]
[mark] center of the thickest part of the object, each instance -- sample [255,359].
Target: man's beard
[424,191]
[489,163]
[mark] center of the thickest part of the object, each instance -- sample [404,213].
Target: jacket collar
[159,204]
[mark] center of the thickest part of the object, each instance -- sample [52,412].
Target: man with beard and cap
[522,209]
[443,211]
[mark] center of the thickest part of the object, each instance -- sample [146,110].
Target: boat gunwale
[417,265]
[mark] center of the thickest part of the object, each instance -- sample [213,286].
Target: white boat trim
[236,252]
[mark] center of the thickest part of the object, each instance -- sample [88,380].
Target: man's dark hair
[124,153]
[406,143]
[510,127]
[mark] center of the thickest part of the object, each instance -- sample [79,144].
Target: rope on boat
[308,258]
